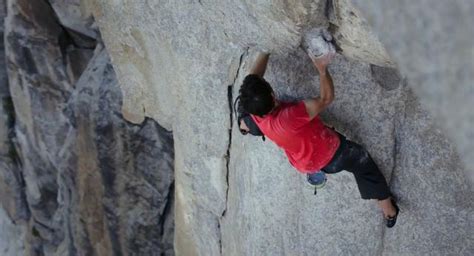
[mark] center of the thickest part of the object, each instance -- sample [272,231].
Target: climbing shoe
[391,221]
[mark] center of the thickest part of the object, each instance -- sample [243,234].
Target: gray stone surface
[39,88]
[84,181]
[430,185]
[388,78]
[270,204]
[11,236]
[12,203]
[132,212]
[143,35]
[75,177]
[354,36]
[432,43]
[73,15]
[182,62]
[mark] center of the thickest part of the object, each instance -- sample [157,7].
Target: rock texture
[84,171]
[11,236]
[268,201]
[354,36]
[74,17]
[11,183]
[132,162]
[276,26]
[182,63]
[432,43]
[75,177]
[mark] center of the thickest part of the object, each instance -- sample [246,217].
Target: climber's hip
[353,158]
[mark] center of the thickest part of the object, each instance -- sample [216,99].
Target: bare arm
[314,106]
[260,64]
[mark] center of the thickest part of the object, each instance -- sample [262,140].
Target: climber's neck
[276,104]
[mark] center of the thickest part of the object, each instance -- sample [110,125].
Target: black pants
[353,158]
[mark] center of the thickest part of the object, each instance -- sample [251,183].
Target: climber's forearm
[314,106]
[326,86]
[260,64]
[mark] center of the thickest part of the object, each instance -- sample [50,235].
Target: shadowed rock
[94,183]
[388,78]
[97,184]
[239,196]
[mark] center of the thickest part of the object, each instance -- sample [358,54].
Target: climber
[311,147]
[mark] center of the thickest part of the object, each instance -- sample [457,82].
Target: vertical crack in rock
[329,9]
[230,89]
[331,16]
[230,97]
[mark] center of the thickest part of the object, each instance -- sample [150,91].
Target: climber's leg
[370,181]
[353,158]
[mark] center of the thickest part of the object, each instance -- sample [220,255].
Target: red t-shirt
[309,144]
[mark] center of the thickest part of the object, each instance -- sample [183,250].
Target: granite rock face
[432,43]
[84,171]
[268,201]
[132,212]
[11,235]
[76,178]
[11,182]
[353,35]
[181,27]
[182,63]
[74,17]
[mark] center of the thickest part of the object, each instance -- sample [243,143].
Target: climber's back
[308,144]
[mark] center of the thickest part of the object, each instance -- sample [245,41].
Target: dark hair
[256,95]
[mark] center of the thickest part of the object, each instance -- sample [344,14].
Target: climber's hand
[321,63]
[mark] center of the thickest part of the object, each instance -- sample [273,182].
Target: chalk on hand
[318,42]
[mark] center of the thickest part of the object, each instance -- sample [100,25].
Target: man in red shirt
[310,146]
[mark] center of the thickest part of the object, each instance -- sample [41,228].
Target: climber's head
[256,95]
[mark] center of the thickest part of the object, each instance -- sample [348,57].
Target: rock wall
[85,171]
[75,177]
[11,183]
[182,62]
[432,44]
